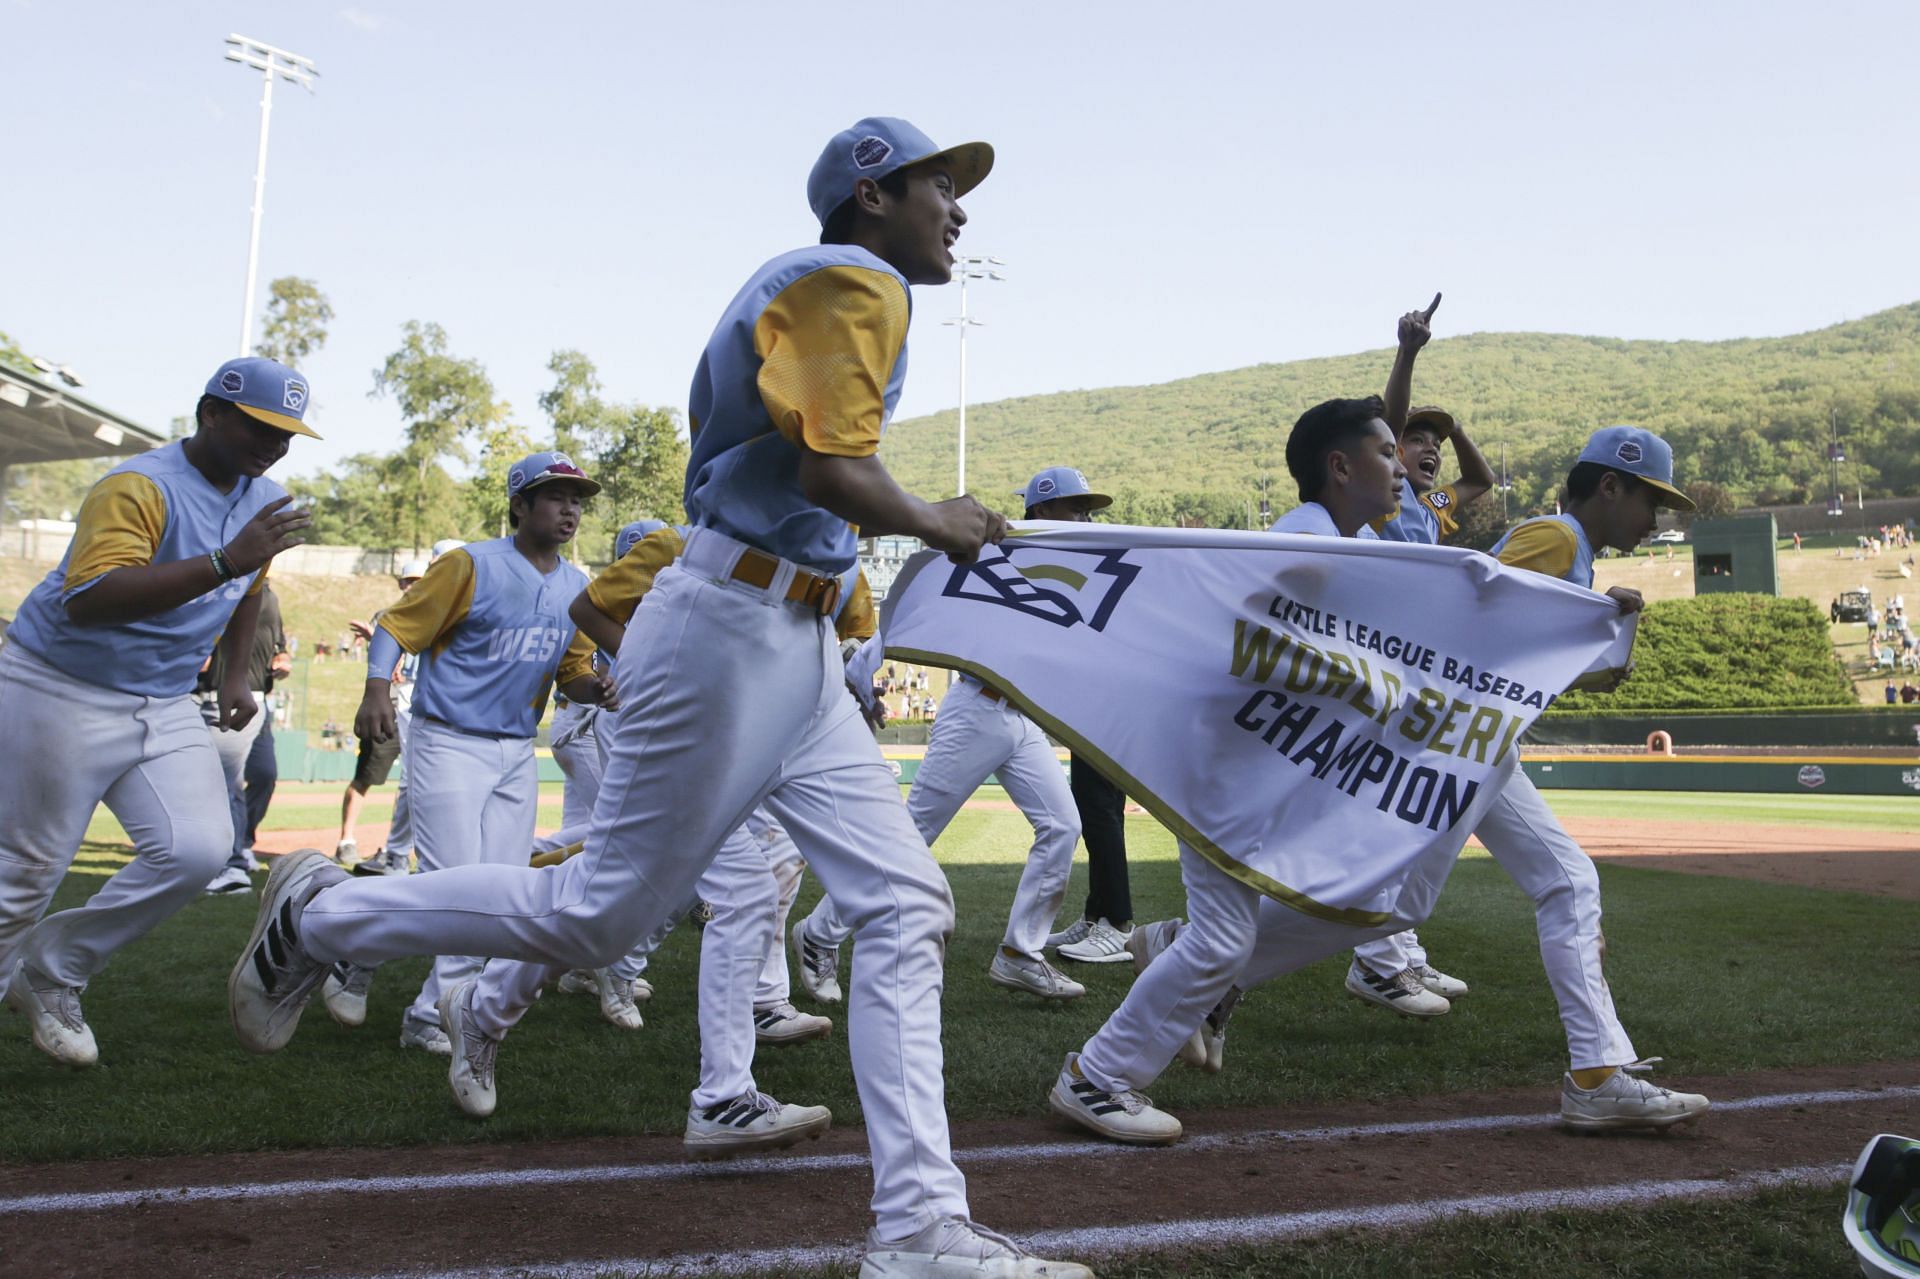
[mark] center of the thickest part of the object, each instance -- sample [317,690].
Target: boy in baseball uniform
[490,626]
[979,733]
[787,409]
[169,554]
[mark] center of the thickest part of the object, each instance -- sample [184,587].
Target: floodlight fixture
[295,69]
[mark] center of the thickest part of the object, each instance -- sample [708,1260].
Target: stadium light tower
[964,269]
[271,63]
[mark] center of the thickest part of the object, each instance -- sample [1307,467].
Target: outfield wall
[1740,774]
[1866,726]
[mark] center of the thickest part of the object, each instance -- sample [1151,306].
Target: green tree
[486,493]
[1710,501]
[363,500]
[445,399]
[296,322]
[635,453]
[12,356]
[51,490]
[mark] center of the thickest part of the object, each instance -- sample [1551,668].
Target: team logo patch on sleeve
[232,382]
[870,151]
[1628,451]
[1441,501]
[295,396]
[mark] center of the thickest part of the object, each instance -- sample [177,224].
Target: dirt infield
[484,1210]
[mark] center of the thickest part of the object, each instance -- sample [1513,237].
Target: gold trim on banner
[1263,884]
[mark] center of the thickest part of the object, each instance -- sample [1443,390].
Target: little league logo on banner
[1325,719]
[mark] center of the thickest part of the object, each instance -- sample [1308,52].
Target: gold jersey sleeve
[828,344]
[1544,546]
[857,619]
[1443,502]
[119,526]
[617,591]
[434,605]
[577,660]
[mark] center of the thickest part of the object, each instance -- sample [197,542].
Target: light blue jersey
[152,509]
[1314,519]
[812,350]
[1552,544]
[491,673]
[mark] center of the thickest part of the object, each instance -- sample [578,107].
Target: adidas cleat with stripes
[750,1123]
[274,976]
[1130,1117]
[1403,992]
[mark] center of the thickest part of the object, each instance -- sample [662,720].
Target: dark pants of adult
[248,801]
[1103,825]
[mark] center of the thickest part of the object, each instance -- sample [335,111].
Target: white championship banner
[1325,719]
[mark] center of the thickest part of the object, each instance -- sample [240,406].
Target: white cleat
[1438,982]
[1129,1117]
[1033,976]
[471,1071]
[1075,932]
[817,967]
[783,1024]
[617,999]
[231,881]
[59,1028]
[274,977]
[1626,1101]
[1402,992]
[344,993]
[955,1248]
[751,1123]
[1207,1049]
[425,1036]
[1102,944]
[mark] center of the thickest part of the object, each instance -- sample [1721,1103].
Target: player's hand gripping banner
[1325,719]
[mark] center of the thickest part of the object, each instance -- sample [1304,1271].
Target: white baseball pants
[680,778]
[1531,845]
[474,801]
[69,747]
[400,832]
[975,736]
[1234,935]
[578,751]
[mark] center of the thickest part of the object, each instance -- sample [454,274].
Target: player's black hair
[839,227]
[1583,481]
[513,516]
[1325,428]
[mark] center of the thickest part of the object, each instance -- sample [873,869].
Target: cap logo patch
[295,396]
[560,459]
[516,478]
[1044,485]
[1628,452]
[232,382]
[870,151]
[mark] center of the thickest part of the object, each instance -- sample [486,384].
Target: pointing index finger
[1435,306]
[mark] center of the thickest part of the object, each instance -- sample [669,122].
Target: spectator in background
[1893,694]
[1909,693]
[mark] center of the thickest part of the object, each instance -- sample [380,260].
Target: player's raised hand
[964,526]
[277,527]
[1417,326]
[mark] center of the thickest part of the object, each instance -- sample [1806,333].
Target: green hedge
[1720,651]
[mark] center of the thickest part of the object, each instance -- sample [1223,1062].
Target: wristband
[222,566]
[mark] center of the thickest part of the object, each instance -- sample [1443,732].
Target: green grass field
[172,1080]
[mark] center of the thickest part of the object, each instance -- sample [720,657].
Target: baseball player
[375,760]
[394,855]
[788,405]
[1100,935]
[978,733]
[169,553]
[237,749]
[489,624]
[1394,972]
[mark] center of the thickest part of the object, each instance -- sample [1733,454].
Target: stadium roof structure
[43,421]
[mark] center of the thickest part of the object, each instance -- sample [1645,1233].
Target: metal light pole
[270,62]
[964,269]
[1505,485]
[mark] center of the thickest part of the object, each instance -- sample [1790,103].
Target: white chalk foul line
[1030,1152]
[1221,1232]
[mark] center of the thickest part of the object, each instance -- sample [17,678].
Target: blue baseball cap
[543,468]
[1061,481]
[879,145]
[632,533]
[1639,453]
[265,390]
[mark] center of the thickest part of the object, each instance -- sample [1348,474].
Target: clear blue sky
[1180,189]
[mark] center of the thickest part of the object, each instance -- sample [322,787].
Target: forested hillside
[1749,415]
